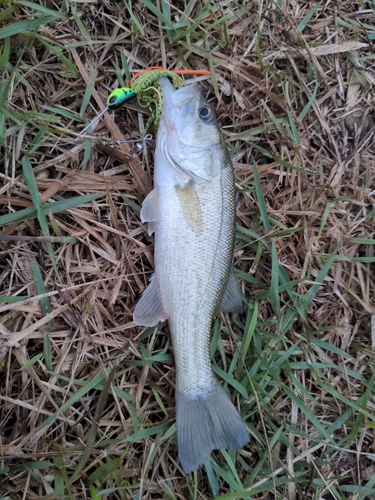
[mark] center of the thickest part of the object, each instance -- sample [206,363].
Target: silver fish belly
[192,212]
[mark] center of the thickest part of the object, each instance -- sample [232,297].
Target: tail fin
[207,424]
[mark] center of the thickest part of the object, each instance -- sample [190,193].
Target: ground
[87,397]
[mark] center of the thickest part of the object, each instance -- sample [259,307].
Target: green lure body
[119,96]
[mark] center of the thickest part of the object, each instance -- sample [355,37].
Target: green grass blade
[64,112]
[251,321]
[324,217]
[360,416]
[306,410]
[35,143]
[62,479]
[4,52]
[5,13]
[82,28]
[86,154]
[295,135]
[166,8]
[320,279]
[274,120]
[55,207]
[231,466]
[105,469]
[91,384]
[308,106]
[6,299]
[212,479]
[136,26]
[227,476]
[47,352]
[261,200]
[275,296]
[40,8]
[24,26]
[363,241]
[278,160]
[32,361]
[59,52]
[230,380]
[168,492]
[144,433]
[88,91]
[305,21]
[30,181]
[158,13]
[41,289]
[159,400]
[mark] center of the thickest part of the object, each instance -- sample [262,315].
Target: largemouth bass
[192,212]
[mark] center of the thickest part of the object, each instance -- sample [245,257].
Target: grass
[87,398]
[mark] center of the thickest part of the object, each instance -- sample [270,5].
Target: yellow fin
[191,206]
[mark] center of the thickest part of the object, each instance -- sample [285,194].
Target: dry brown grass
[310,355]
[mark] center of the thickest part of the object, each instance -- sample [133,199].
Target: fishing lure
[146,87]
[119,96]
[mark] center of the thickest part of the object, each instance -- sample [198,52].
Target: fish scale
[192,212]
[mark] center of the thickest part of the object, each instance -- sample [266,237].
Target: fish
[192,213]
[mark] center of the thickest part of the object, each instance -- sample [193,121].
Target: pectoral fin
[149,310]
[232,300]
[191,206]
[150,210]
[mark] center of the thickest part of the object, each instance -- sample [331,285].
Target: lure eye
[112,100]
[206,114]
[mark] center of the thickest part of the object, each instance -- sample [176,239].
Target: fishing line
[138,142]
[23,77]
[82,133]
[104,142]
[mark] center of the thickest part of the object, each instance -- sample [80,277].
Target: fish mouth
[177,101]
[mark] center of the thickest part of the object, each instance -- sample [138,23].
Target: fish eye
[206,114]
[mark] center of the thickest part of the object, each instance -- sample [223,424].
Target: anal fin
[232,300]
